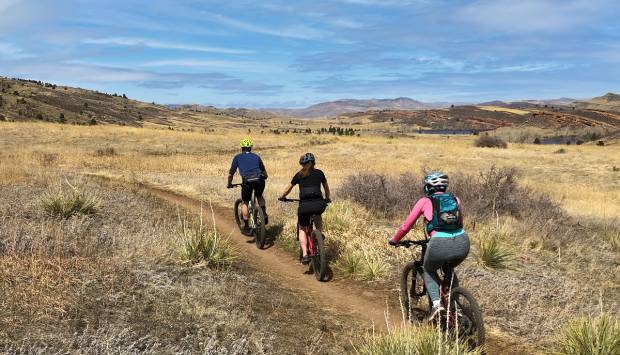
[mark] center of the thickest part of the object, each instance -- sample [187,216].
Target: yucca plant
[204,246]
[56,203]
[412,340]
[591,336]
[495,254]
[350,262]
[372,268]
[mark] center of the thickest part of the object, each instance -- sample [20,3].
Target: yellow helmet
[246,143]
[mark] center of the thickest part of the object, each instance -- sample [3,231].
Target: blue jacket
[248,163]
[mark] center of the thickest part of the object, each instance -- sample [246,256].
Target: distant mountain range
[339,107]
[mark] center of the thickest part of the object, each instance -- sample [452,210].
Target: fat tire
[405,297]
[319,264]
[259,227]
[474,313]
[238,217]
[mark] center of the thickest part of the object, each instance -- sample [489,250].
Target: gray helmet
[306,158]
[435,181]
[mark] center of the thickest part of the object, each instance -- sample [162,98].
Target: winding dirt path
[367,305]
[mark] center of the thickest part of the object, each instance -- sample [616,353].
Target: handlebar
[410,243]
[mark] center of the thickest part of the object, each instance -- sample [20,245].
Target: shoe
[266,219]
[305,260]
[436,311]
[246,230]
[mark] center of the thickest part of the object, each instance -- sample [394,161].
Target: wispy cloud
[9,51]
[384,2]
[252,66]
[531,15]
[151,43]
[76,72]
[296,31]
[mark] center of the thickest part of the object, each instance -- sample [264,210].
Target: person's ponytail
[306,169]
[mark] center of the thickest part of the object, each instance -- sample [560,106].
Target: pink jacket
[424,206]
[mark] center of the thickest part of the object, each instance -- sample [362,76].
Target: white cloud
[531,15]
[10,52]
[296,31]
[249,66]
[151,43]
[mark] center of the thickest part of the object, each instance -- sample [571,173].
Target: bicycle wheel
[239,214]
[319,260]
[468,317]
[412,289]
[259,227]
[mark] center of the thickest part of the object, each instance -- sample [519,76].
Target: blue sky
[294,53]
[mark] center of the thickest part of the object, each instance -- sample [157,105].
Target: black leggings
[309,208]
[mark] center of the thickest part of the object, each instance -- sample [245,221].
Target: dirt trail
[372,306]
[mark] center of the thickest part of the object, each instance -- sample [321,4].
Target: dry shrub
[491,193]
[486,141]
[106,152]
[383,195]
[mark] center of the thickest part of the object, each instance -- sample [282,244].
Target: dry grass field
[551,278]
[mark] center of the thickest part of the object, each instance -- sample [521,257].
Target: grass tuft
[204,246]
[409,339]
[594,336]
[363,267]
[58,204]
[495,254]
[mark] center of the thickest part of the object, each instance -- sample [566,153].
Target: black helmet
[306,158]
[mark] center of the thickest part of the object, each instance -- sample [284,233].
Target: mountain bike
[256,220]
[316,248]
[463,316]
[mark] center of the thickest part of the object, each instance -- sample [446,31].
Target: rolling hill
[607,102]
[338,107]
[34,100]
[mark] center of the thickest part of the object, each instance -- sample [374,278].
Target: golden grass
[504,109]
[197,162]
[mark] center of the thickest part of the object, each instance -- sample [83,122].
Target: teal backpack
[446,214]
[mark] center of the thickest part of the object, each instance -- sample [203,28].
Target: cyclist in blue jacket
[253,176]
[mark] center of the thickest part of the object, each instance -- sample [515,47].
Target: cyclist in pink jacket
[449,244]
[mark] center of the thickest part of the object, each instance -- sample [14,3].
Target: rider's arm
[326,188]
[415,213]
[262,167]
[233,169]
[287,191]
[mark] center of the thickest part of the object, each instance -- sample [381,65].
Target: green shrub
[412,340]
[56,203]
[598,336]
[204,246]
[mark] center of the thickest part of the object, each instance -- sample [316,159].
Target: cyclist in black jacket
[311,199]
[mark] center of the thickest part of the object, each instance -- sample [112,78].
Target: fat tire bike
[463,317]
[316,247]
[256,220]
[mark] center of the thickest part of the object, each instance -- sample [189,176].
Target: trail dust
[377,308]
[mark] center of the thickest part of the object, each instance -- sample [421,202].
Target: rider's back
[248,163]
